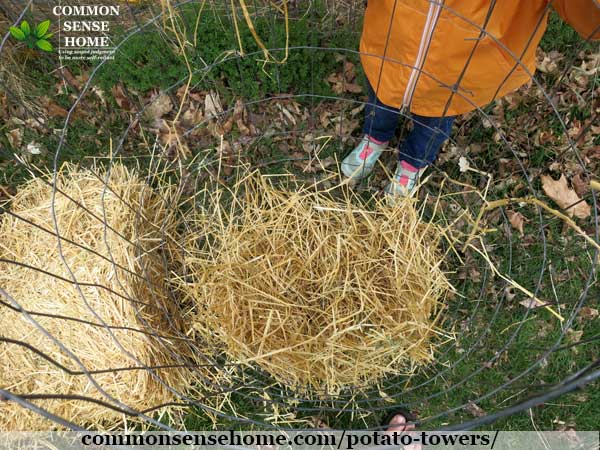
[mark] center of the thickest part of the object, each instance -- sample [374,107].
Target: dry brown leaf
[56,111]
[240,116]
[349,71]
[160,106]
[341,84]
[38,124]
[580,185]
[510,293]
[474,409]
[345,128]
[336,82]
[243,128]
[324,118]
[15,137]
[565,197]
[227,158]
[353,88]
[548,62]
[34,148]
[4,107]
[183,90]
[532,303]
[587,313]
[100,94]
[556,167]
[327,162]
[120,97]
[239,111]
[574,336]
[212,105]
[68,76]
[357,110]
[516,220]
[191,117]
[286,112]
[317,422]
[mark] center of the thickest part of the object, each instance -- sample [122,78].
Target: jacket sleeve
[583,15]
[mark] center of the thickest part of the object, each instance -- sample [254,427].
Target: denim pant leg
[424,142]
[380,120]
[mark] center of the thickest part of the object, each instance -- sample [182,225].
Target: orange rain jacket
[415,53]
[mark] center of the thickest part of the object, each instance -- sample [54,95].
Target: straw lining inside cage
[318,291]
[117,316]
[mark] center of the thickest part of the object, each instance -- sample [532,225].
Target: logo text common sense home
[85,18]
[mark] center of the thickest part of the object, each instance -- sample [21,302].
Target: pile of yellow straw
[114,242]
[319,292]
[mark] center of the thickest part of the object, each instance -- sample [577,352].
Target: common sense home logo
[85,31]
[37,36]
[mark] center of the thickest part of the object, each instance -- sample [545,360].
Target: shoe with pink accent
[404,182]
[361,161]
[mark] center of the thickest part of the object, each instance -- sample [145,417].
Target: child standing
[437,59]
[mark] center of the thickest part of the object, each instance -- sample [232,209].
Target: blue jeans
[422,145]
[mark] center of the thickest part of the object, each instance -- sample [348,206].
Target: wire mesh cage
[163,162]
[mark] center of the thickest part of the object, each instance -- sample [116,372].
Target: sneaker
[361,161]
[404,182]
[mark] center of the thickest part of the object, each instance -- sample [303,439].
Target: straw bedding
[134,299]
[321,293]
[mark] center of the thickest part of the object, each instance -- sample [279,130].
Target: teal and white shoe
[361,161]
[404,183]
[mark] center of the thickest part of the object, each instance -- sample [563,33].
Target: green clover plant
[38,37]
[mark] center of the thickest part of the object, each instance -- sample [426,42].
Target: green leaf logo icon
[42,28]
[17,33]
[44,45]
[38,38]
[25,28]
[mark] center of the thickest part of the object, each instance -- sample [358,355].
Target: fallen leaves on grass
[340,86]
[15,137]
[474,409]
[517,221]
[212,105]
[316,165]
[318,422]
[587,313]
[532,303]
[565,197]
[121,98]
[160,106]
[580,185]
[548,62]
[68,76]
[574,336]
[510,293]
[345,81]
[192,116]
[34,148]
[54,110]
